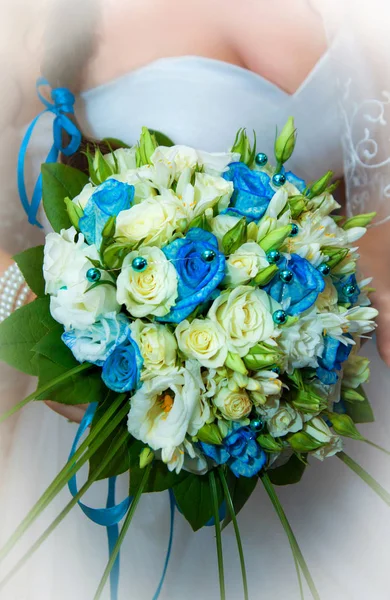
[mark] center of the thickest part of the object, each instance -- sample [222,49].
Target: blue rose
[333,356]
[95,343]
[200,269]
[108,200]
[122,369]
[252,191]
[344,287]
[299,183]
[239,450]
[302,291]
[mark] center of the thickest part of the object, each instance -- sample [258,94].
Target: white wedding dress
[342,526]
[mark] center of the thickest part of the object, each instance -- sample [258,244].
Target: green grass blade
[214,497]
[44,388]
[103,429]
[298,556]
[122,534]
[64,512]
[374,485]
[230,505]
[370,443]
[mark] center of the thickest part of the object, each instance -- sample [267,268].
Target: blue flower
[197,277]
[301,293]
[239,450]
[299,183]
[122,369]
[95,343]
[333,356]
[252,191]
[346,285]
[109,199]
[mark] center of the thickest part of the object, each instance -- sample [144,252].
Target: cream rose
[82,198]
[233,404]
[319,430]
[244,264]
[245,317]
[158,348]
[125,159]
[285,420]
[152,222]
[149,292]
[208,190]
[203,340]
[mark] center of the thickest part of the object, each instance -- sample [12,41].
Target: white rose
[208,191]
[157,346]
[82,198]
[65,260]
[302,342]
[334,446]
[125,159]
[149,292]
[284,420]
[203,340]
[221,224]
[183,157]
[152,222]
[244,315]
[233,404]
[319,430]
[77,308]
[161,410]
[245,263]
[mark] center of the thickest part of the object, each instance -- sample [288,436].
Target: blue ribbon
[110,516]
[61,107]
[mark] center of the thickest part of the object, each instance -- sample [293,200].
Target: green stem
[374,485]
[65,511]
[122,534]
[376,446]
[45,388]
[298,556]
[229,502]
[214,496]
[97,436]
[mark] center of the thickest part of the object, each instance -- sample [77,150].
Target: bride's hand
[374,250]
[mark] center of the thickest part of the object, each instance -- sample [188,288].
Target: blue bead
[275,370]
[261,159]
[324,269]
[139,264]
[93,275]
[279,317]
[286,276]
[279,179]
[349,290]
[273,256]
[257,425]
[294,229]
[208,255]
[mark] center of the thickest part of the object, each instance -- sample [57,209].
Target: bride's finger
[73,413]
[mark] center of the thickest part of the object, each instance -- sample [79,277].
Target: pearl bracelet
[13,291]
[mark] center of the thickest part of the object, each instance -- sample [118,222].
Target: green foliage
[193,497]
[289,473]
[59,182]
[360,411]
[30,262]
[20,333]
[161,138]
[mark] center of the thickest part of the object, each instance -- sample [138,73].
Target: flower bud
[351,395]
[243,147]
[74,211]
[308,401]
[343,425]
[336,255]
[145,458]
[297,204]
[146,148]
[359,221]
[265,275]
[210,434]
[303,442]
[320,185]
[109,228]
[275,239]
[251,232]
[266,441]
[235,363]
[260,357]
[285,142]
[101,168]
[235,237]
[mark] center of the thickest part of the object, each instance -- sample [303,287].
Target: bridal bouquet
[207,306]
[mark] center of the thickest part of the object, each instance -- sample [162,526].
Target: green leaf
[290,472]
[235,237]
[58,182]
[241,488]
[30,262]
[161,138]
[115,143]
[193,497]
[361,411]
[22,331]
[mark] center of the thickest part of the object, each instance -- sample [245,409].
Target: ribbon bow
[61,107]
